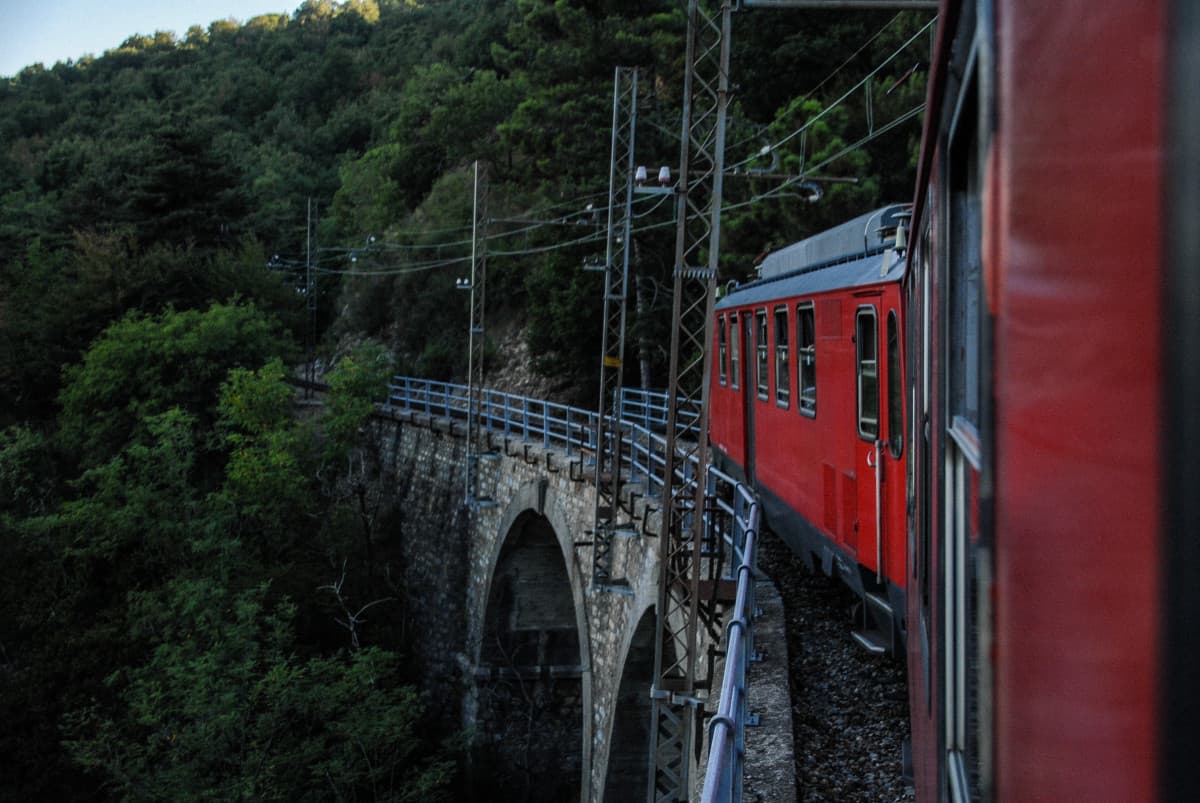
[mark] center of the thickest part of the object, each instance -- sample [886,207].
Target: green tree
[58,300]
[222,710]
[356,384]
[142,366]
[128,524]
[153,591]
[27,472]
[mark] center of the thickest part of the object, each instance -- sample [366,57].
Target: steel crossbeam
[616,284]
[697,244]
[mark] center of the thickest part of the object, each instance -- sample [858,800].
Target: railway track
[849,708]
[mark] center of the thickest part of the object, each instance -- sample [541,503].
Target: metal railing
[727,729]
[649,409]
[573,430]
[560,426]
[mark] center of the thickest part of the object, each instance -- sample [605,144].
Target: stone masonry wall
[427,524]
[450,556]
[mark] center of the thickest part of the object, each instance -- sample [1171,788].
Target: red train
[1033,418]
[807,403]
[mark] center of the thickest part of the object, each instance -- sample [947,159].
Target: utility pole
[607,522]
[675,693]
[676,703]
[476,285]
[310,301]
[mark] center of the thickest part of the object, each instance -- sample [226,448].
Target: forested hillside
[174,544]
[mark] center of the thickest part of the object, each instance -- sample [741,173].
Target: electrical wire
[392,245]
[417,268]
[853,56]
[533,226]
[596,237]
[813,120]
[831,75]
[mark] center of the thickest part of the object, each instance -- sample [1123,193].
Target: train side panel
[815,454]
[1036,378]
[1077,282]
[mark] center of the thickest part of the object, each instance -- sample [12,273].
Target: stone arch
[530,618]
[628,765]
[531,652]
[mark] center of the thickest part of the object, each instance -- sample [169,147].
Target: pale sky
[56,30]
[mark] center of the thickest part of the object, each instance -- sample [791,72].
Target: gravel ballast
[849,708]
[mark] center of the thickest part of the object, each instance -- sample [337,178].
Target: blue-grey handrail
[727,729]
[641,419]
[553,425]
[649,408]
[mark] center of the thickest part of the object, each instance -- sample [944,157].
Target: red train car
[1054,316]
[807,403]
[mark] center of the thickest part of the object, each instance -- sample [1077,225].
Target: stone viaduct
[551,678]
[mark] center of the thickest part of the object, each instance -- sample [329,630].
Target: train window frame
[806,359]
[735,357]
[895,388]
[722,351]
[921,470]
[964,557]
[762,367]
[864,312]
[783,382]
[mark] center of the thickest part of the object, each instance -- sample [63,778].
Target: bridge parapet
[539,457]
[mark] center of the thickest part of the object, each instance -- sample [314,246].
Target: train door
[748,383]
[891,449]
[868,469]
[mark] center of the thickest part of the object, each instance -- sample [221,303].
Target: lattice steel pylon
[477,284]
[607,524]
[697,245]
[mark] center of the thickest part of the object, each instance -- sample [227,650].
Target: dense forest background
[180,552]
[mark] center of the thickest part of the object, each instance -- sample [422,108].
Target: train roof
[855,236]
[881,265]
[835,259]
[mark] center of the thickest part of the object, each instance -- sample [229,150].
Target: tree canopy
[177,154]
[176,553]
[176,543]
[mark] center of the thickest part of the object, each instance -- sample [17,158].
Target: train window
[760,352]
[783,384]
[866,341]
[806,349]
[895,389]
[964,559]
[734,357]
[964,281]
[721,348]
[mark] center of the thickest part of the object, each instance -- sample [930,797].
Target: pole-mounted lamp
[666,185]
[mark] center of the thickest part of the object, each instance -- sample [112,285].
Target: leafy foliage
[143,366]
[360,378]
[178,547]
[222,710]
[203,144]
[163,609]
[27,472]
